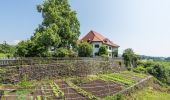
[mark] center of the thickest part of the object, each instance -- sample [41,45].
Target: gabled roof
[93,36]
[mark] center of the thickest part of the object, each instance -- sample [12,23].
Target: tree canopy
[60,24]
[60,29]
[130,58]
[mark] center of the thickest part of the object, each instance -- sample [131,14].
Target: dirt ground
[101,88]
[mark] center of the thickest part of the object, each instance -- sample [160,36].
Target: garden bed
[69,93]
[101,88]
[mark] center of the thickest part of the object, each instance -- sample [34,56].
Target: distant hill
[167,59]
[144,57]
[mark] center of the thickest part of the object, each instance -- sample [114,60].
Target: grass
[149,94]
[21,94]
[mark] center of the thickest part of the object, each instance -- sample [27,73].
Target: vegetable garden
[90,87]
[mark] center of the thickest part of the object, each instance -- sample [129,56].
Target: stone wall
[64,68]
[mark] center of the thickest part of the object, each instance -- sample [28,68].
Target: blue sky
[143,25]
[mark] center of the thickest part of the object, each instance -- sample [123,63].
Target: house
[97,40]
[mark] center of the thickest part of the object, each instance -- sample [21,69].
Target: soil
[70,94]
[101,88]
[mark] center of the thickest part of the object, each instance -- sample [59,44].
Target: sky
[143,25]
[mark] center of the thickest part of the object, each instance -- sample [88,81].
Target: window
[96,45]
[110,48]
[110,55]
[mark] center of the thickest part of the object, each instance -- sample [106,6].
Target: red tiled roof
[93,36]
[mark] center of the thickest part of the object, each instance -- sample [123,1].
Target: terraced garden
[93,87]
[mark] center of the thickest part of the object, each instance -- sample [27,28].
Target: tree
[21,49]
[85,50]
[59,29]
[60,24]
[30,49]
[7,49]
[130,58]
[103,51]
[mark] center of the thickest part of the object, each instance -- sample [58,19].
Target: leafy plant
[25,84]
[81,91]
[38,98]
[56,90]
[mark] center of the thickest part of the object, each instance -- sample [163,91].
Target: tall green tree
[59,29]
[60,24]
[130,58]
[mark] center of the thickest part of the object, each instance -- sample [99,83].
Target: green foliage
[149,94]
[81,91]
[130,58]
[85,50]
[103,51]
[38,98]
[160,70]
[7,50]
[61,52]
[104,56]
[21,94]
[116,78]
[59,29]
[25,84]
[140,69]
[30,49]
[57,91]
[60,23]
[119,97]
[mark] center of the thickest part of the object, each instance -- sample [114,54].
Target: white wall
[96,49]
[100,44]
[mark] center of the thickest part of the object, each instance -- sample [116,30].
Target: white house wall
[95,50]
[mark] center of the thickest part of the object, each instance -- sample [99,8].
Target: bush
[85,50]
[140,69]
[104,56]
[61,52]
[103,51]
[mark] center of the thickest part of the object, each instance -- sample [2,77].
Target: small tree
[103,51]
[130,58]
[85,50]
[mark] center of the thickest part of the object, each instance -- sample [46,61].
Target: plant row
[81,91]
[57,91]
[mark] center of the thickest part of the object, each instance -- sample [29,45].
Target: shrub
[119,97]
[85,50]
[61,52]
[103,51]
[104,56]
[140,69]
